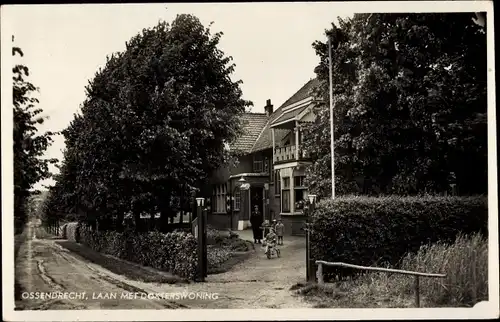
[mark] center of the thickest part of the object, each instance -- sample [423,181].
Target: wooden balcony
[290,153]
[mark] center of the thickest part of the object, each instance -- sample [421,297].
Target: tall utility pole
[330,65]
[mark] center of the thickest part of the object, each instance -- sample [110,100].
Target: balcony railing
[289,153]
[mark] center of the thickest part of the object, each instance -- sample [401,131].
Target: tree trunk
[163,220]
[137,220]
[119,221]
[152,222]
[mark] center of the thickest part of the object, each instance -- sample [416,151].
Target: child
[270,239]
[279,231]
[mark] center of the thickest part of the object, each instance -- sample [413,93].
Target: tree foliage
[30,166]
[410,105]
[153,125]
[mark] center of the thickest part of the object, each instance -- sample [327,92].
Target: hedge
[373,231]
[73,231]
[64,231]
[172,252]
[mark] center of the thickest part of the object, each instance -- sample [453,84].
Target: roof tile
[253,124]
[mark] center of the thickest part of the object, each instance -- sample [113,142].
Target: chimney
[268,108]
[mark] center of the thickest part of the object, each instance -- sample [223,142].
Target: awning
[289,115]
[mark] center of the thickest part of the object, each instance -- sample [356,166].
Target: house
[272,164]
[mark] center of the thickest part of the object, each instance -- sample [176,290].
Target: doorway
[257,199]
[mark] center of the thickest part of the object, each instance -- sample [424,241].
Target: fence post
[319,273]
[417,292]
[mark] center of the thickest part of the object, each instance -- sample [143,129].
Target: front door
[256,199]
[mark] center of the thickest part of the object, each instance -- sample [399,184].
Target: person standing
[256,220]
[279,227]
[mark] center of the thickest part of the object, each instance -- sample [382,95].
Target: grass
[465,263]
[118,266]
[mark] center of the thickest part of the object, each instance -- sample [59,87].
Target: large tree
[410,94]
[154,123]
[30,166]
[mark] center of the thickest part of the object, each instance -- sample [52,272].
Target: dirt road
[259,282]
[44,266]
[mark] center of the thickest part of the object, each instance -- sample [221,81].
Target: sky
[271,44]
[64,45]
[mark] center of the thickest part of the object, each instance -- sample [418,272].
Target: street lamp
[239,183]
[200,202]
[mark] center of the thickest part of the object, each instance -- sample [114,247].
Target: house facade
[272,165]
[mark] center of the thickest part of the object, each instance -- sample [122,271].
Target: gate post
[204,243]
[201,232]
[310,266]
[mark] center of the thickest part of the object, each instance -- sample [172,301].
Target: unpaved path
[260,282]
[44,266]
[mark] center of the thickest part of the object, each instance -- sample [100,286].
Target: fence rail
[319,274]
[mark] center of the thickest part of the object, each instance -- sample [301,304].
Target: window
[220,198]
[300,192]
[285,195]
[237,199]
[277,183]
[258,165]
[285,200]
[299,199]
[286,183]
[299,181]
[266,165]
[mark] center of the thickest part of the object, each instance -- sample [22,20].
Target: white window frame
[237,200]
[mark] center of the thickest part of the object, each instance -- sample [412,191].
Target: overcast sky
[64,45]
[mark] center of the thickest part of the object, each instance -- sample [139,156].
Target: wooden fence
[319,274]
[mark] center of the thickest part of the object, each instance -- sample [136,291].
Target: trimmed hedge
[172,252]
[73,231]
[373,231]
[64,231]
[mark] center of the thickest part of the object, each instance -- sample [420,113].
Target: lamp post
[309,209]
[238,185]
[200,213]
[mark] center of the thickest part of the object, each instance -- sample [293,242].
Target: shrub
[214,236]
[235,244]
[73,231]
[380,231]
[216,256]
[171,252]
[64,231]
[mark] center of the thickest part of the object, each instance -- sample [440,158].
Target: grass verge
[465,263]
[118,266]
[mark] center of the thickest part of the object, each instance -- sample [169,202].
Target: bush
[64,231]
[214,236]
[379,231]
[216,256]
[73,231]
[171,252]
[236,244]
